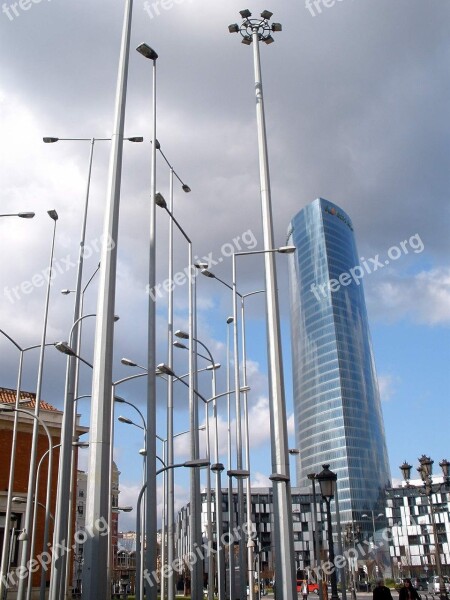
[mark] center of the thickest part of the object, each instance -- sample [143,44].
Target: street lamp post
[234,320]
[64,491]
[327,481]
[48,515]
[197,583]
[75,397]
[184,335]
[425,470]
[169,483]
[151,502]
[32,498]
[34,441]
[312,477]
[231,561]
[95,568]
[256,30]
[8,515]
[192,464]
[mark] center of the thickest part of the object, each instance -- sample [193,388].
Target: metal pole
[95,567]
[283,534]
[250,542]
[240,483]
[170,474]
[334,592]
[340,550]
[312,478]
[163,524]
[196,532]
[6,538]
[218,497]
[208,509]
[230,481]
[139,586]
[21,591]
[34,496]
[63,511]
[47,519]
[151,501]
[73,476]
[110,560]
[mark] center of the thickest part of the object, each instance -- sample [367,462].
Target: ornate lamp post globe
[327,481]
[405,468]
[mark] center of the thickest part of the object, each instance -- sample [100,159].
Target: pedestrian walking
[381,592]
[408,591]
[305,590]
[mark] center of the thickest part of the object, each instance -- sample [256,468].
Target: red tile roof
[8,396]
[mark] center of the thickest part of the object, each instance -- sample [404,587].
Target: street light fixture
[147,51]
[22,215]
[327,481]
[64,348]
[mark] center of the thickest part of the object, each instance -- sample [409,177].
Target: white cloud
[387,386]
[424,297]
[260,480]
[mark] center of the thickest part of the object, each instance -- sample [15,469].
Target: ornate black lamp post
[327,481]
[425,470]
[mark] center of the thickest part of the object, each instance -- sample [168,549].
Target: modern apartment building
[413,542]
[337,411]
[263,523]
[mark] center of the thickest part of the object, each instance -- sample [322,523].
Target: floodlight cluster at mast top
[260,25]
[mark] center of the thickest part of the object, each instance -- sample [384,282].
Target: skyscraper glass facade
[338,419]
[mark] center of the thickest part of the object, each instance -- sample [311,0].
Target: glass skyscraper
[338,419]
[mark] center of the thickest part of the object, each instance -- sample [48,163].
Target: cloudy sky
[357,107]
